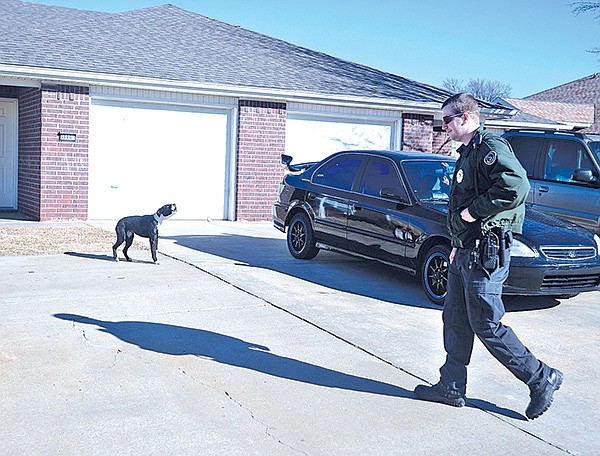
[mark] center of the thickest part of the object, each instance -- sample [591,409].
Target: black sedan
[391,207]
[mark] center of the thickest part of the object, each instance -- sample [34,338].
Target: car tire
[434,273]
[301,238]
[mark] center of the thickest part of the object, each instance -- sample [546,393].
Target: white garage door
[312,140]
[145,155]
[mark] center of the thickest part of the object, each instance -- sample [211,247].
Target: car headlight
[597,241]
[519,249]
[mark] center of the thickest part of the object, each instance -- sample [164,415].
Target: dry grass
[56,240]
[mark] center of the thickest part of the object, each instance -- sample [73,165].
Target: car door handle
[355,206]
[543,189]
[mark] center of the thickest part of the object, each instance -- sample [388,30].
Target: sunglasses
[447,119]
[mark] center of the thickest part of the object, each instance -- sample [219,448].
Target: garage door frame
[219,104]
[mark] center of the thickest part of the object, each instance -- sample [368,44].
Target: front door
[8,154]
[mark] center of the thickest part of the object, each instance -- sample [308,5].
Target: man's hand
[466,215]
[452,253]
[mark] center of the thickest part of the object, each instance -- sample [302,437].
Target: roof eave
[33,76]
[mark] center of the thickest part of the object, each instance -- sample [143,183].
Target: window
[526,150]
[563,158]
[379,173]
[430,180]
[339,172]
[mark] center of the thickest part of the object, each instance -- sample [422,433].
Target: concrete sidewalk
[230,346]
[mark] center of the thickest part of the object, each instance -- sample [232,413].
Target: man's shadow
[180,340]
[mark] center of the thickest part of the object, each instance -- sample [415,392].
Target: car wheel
[301,238]
[434,273]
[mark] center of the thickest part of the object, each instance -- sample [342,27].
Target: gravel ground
[56,240]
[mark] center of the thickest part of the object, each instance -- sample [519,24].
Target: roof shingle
[172,44]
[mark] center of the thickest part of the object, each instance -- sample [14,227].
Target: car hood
[542,229]
[548,229]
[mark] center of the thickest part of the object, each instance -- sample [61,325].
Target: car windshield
[430,181]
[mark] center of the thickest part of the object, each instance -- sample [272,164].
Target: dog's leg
[154,246]
[128,242]
[120,239]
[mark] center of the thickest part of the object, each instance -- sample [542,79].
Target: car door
[376,226]
[528,150]
[329,197]
[558,193]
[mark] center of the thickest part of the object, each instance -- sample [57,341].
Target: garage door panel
[144,156]
[314,139]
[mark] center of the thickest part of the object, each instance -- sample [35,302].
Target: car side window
[562,158]
[339,172]
[526,150]
[379,173]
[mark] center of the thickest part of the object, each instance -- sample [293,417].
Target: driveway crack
[268,429]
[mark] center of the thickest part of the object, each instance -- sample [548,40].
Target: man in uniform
[486,206]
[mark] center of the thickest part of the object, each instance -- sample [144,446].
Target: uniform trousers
[474,306]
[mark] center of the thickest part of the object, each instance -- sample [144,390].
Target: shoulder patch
[490,158]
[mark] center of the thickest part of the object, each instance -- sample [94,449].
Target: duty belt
[491,251]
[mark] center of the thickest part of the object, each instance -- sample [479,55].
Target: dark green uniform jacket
[490,181]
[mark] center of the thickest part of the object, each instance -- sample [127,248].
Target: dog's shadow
[95,256]
[90,256]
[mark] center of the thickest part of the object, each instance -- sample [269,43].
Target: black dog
[142,225]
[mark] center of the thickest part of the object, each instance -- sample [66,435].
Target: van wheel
[301,238]
[434,273]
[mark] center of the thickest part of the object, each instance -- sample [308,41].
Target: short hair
[463,102]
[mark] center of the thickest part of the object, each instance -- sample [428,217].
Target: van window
[595,147]
[526,150]
[562,158]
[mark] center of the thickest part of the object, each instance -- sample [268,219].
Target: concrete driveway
[230,346]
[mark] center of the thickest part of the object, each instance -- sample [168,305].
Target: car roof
[399,154]
[553,133]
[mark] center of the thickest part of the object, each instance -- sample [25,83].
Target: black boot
[541,396]
[440,393]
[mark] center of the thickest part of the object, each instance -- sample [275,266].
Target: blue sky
[533,45]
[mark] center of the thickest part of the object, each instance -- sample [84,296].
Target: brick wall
[442,144]
[52,175]
[64,165]
[28,156]
[417,132]
[261,141]
[30,151]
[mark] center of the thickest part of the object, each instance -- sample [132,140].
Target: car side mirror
[584,175]
[393,193]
